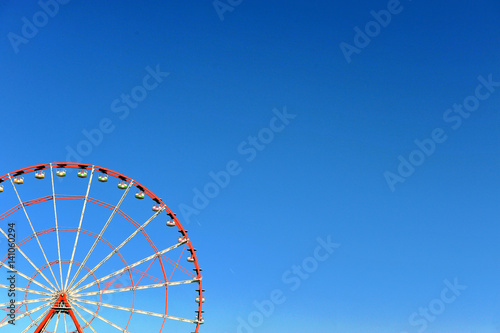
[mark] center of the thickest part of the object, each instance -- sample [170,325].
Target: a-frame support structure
[60,306]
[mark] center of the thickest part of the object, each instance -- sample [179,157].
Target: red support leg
[62,302]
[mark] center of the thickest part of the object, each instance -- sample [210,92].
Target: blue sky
[322,172]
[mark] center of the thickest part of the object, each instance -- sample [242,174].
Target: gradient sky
[322,175]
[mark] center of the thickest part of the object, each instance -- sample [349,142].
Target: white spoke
[149,286]
[101,233]
[31,263]
[57,225]
[79,228]
[118,248]
[35,321]
[65,325]
[27,277]
[100,317]
[148,313]
[34,232]
[81,317]
[57,322]
[27,301]
[27,290]
[27,313]
[129,267]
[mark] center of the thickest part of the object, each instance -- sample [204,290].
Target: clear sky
[369,125]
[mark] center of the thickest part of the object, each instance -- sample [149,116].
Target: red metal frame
[61,300]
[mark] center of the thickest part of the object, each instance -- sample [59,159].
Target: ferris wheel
[88,249]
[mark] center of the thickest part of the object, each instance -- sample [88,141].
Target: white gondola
[198,300]
[122,185]
[171,223]
[190,259]
[39,174]
[181,239]
[82,173]
[19,180]
[61,173]
[156,208]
